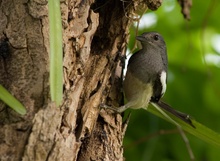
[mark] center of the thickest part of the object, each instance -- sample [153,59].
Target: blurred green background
[193,83]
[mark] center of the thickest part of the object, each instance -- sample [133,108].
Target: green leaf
[11,101]
[56,52]
[200,131]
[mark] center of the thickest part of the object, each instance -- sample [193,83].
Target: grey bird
[146,77]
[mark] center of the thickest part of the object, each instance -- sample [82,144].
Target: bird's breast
[137,93]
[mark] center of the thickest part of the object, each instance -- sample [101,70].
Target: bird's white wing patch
[163,78]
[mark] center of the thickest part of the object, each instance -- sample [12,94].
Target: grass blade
[11,101]
[201,131]
[56,52]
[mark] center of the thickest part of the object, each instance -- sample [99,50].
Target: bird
[146,77]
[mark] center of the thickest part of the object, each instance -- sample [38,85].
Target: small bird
[146,77]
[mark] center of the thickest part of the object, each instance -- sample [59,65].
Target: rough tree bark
[95,35]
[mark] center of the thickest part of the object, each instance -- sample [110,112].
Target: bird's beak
[140,38]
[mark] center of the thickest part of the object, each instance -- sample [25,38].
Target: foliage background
[193,83]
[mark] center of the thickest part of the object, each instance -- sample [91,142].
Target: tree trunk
[95,35]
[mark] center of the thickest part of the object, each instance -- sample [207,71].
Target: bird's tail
[184,117]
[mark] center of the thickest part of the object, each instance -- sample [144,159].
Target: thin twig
[186,141]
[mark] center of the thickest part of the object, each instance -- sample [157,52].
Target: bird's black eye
[156,37]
